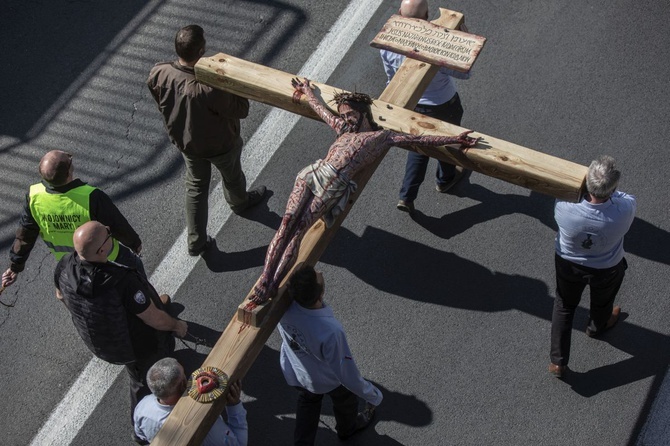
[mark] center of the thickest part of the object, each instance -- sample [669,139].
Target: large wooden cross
[247,332]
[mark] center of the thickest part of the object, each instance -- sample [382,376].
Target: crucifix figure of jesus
[358,149]
[322,189]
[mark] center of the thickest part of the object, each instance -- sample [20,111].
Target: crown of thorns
[345,96]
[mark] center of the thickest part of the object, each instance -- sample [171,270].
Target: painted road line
[81,400]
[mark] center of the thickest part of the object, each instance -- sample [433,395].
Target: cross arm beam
[247,332]
[492,156]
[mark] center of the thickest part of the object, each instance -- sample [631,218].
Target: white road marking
[83,397]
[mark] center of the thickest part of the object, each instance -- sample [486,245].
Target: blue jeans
[417,164]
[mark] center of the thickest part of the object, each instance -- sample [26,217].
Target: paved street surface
[448,312]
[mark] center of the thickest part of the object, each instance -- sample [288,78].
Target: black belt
[423,108]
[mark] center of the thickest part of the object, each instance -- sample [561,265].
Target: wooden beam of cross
[492,156]
[247,332]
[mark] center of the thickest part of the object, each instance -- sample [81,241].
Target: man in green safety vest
[57,206]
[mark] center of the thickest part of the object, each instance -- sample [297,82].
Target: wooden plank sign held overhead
[429,43]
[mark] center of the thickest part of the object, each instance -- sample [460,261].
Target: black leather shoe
[254,197]
[363,420]
[405,206]
[611,322]
[208,244]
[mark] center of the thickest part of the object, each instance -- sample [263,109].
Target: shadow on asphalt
[273,408]
[643,239]
[491,291]
[491,206]
[219,261]
[69,43]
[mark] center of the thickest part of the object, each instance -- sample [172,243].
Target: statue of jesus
[322,189]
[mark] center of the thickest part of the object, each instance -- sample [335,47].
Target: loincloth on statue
[332,188]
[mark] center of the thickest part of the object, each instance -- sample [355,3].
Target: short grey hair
[602,178]
[165,377]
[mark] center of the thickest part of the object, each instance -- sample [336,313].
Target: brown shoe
[611,322]
[558,370]
[444,188]
[165,299]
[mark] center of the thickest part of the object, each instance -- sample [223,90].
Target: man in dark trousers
[439,101]
[204,124]
[316,359]
[57,206]
[589,251]
[118,314]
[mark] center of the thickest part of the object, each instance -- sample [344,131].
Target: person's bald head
[55,167]
[417,9]
[92,241]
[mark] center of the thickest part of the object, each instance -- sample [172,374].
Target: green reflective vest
[60,214]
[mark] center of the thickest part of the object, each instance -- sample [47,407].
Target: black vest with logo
[92,294]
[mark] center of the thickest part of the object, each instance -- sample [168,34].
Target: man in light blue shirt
[167,382]
[589,251]
[440,100]
[316,359]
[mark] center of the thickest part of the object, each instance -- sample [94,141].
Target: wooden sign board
[429,43]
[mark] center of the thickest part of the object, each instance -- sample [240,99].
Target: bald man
[118,314]
[440,100]
[57,206]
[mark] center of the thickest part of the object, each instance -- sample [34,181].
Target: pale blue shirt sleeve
[235,433]
[391,62]
[337,354]
[440,90]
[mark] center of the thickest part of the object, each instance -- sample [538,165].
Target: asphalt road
[447,312]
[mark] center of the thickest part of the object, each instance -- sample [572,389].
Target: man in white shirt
[589,251]
[167,382]
[316,359]
[440,100]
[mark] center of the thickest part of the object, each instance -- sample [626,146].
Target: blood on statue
[322,189]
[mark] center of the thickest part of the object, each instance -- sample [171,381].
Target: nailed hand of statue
[300,88]
[467,141]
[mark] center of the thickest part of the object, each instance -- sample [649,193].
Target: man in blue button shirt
[440,101]
[589,251]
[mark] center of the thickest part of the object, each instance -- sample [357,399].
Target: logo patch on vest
[139,298]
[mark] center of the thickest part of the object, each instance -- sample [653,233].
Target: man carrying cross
[441,101]
[322,189]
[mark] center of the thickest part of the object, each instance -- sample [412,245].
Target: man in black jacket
[118,314]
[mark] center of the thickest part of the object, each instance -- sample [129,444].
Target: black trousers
[571,279]
[137,371]
[308,412]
